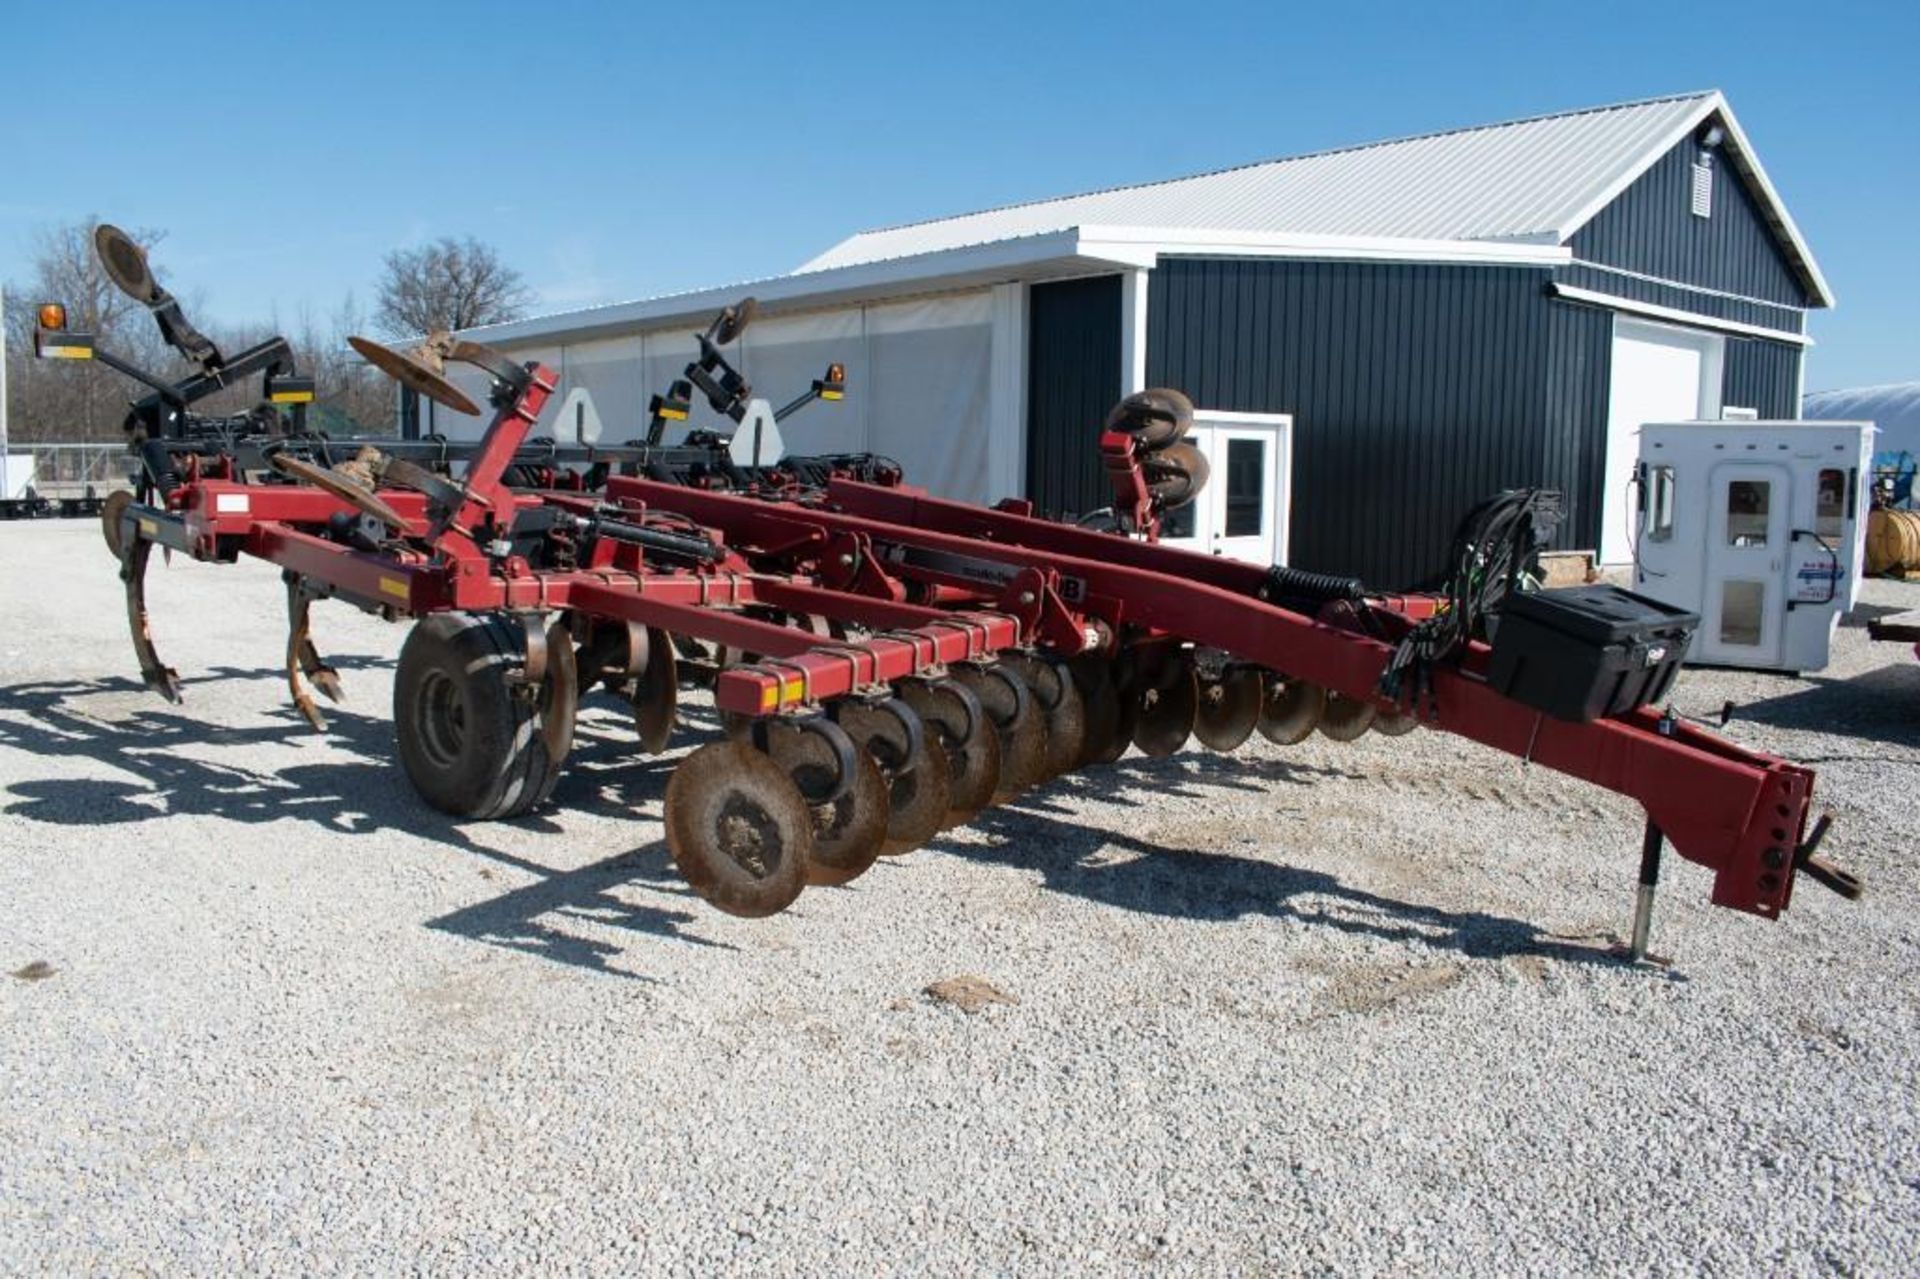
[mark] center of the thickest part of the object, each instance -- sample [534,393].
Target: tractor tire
[470,737]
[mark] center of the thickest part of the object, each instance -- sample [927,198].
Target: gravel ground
[1331,1008]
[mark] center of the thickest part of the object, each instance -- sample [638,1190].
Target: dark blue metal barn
[1376,336]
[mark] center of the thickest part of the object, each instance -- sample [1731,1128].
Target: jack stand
[1650,849]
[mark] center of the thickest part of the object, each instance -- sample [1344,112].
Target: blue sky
[614,151]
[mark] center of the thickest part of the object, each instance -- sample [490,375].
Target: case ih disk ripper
[889,663]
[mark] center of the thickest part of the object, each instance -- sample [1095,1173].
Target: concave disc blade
[1290,709]
[656,694]
[970,742]
[1395,723]
[110,513]
[848,832]
[1107,738]
[125,263]
[1167,706]
[1346,718]
[350,491]
[1229,709]
[1021,724]
[738,829]
[1156,417]
[1066,710]
[919,778]
[1176,474]
[414,375]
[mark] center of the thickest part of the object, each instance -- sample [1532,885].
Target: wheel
[1290,709]
[1156,417]
[738,829]
[1229,709]
[849,830]
[967,734]
[914,763]
[472,739]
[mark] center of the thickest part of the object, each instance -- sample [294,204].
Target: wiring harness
[1496,544]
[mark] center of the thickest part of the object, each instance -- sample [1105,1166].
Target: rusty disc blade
[1175,475]
[738,829]
[1395,723]
[1156,417]
[1066,710]
[1346,718]
[354,494]
[1019,721]
[414,375]
[1228,710]
[919,777]
[1106,737]
[849,831]
[1290,709]
[125,263]
[656,694]
[110,512]
[1166,706]
[969,742]
[559,693]
[734,321]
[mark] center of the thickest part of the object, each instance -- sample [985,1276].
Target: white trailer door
[1660,374]
[1746,558]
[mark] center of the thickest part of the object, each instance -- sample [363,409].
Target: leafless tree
[83,402]
[449,284]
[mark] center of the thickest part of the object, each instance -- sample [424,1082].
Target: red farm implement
[888,663]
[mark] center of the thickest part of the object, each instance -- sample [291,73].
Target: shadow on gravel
[1880,705]
[605,774]
[355,796]
[1863,614]
[1041,832]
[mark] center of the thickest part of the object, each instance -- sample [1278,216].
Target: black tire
[470,739]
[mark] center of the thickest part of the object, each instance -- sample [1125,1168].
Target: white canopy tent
[1893,407]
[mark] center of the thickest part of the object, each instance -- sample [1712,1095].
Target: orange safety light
[53,315]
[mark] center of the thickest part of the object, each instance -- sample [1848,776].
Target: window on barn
[1703,187]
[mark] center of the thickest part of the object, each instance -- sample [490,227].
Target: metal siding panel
[1073,377]
[1762,375]
[1651,229]
[1415,389]
[1790,319]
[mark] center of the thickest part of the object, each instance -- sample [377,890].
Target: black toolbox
[1581,652]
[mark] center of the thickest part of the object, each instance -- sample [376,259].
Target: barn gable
[1726,242]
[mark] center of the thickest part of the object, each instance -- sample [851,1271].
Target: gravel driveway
[1333,1008]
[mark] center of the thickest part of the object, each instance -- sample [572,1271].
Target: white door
[1659,374]
[1242,512]
[1746,552]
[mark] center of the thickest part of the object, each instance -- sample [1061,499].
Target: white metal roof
[1534,181]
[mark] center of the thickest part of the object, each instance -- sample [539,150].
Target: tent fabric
[919,384]
[1894,408]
